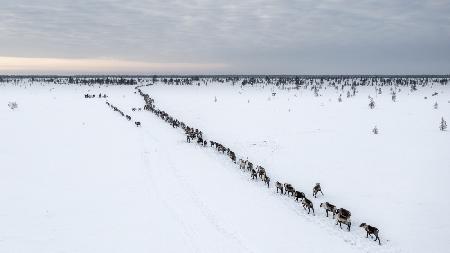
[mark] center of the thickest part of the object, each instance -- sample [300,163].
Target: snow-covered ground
[75,176]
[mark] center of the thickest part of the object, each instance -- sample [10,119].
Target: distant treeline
[277,80]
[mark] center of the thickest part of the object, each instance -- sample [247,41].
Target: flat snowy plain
[75,176]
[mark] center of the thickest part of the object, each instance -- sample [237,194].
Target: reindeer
[343,216]
[242,164]
[249,166]
[233,156]
[254,174]
[138,124]
[279,186]
[316,190]
[266,180]
[328,208]
[299,195]
[261,172]
[289,189]
[308,204]
[371,231]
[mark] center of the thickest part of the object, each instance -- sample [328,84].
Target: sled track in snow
[355,237]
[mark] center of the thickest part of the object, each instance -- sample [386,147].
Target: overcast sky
[225,36]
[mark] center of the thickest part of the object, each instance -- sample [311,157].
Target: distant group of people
[193,135]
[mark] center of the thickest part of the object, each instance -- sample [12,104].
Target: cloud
[262,36]
[20,65]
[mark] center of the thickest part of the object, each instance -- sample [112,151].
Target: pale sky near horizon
[225,37]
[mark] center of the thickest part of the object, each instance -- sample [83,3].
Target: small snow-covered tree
[340,98]
[13,105]
[394,96]
[215,99]
[375,130]
[435,105]
[443,125]
[371,103]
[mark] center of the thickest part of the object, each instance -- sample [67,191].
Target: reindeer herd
[128,117]
[193,135]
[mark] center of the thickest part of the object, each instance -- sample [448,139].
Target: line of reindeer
[128,117]
[193,135]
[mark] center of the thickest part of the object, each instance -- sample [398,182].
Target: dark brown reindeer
[261,172]
[289,189]
[316,190]
[307,204]
[371,231]
[249,166]
[267,180]
[254,174]
[299,195]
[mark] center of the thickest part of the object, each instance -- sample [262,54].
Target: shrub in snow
[375,130]
[340,98]
[12,105]
[394,96]
[435,105]
[215,99]
[371,103]
[443,125]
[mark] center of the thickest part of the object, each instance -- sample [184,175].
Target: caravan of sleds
[193,135]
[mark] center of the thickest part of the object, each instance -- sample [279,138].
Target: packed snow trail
[354,238]
[390,180]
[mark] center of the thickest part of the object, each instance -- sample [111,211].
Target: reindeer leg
[367,235]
